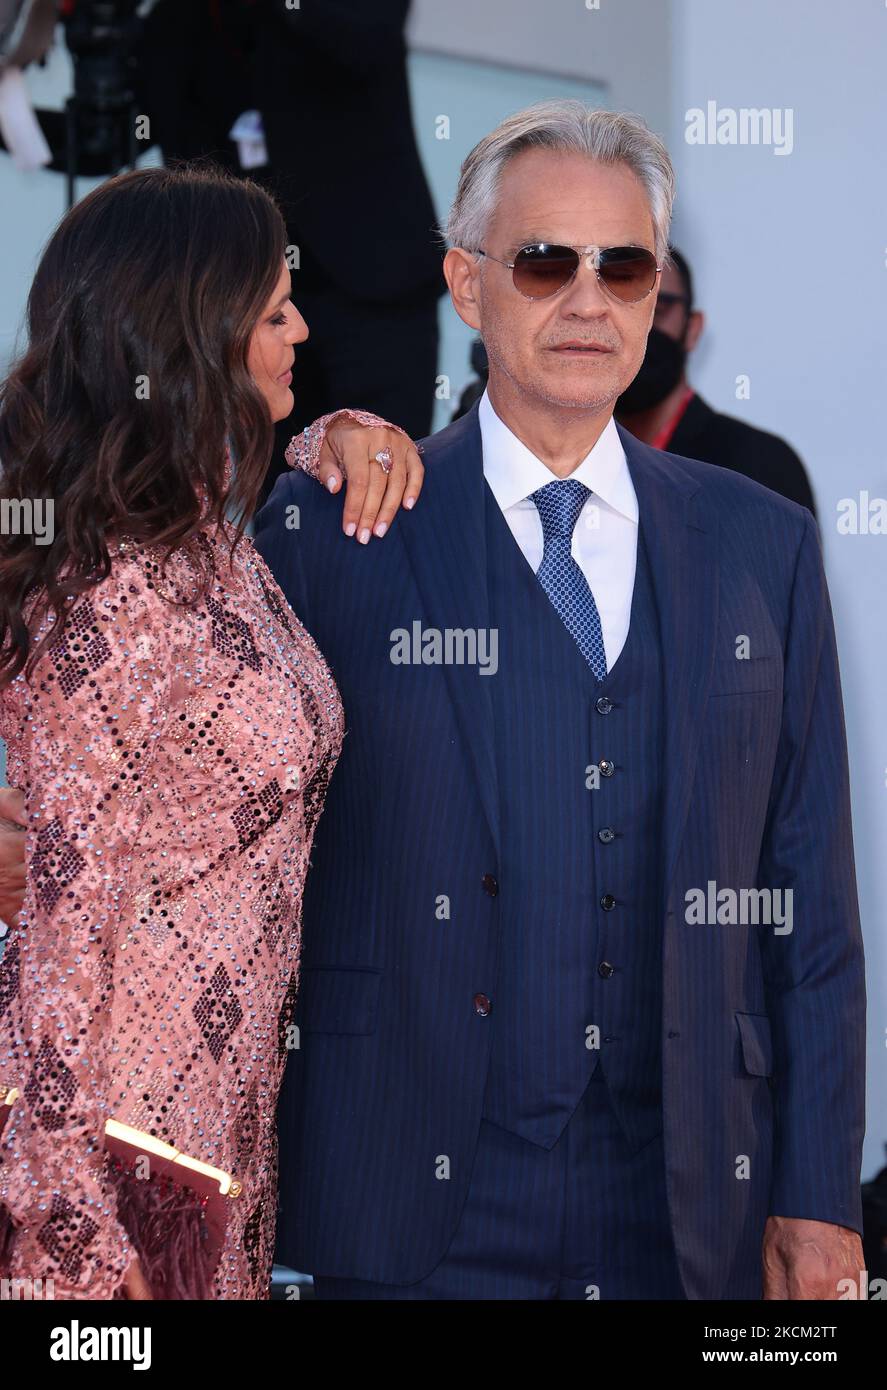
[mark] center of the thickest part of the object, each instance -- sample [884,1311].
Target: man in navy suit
[581,1011]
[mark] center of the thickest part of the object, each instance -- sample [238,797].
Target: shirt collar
[513,472]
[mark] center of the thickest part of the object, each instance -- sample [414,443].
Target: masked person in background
[660,407]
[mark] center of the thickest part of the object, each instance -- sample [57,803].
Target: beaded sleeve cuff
[303,450]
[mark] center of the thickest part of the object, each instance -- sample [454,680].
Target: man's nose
[585,295]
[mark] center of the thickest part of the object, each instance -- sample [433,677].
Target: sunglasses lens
[543,270]
[629,272]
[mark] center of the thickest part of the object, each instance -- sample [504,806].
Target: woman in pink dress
[173,727]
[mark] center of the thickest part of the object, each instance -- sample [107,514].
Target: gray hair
[610,137]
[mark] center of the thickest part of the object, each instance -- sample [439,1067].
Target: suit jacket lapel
[446,544]
[681,531]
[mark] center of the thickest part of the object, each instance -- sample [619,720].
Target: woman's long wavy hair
[133,381]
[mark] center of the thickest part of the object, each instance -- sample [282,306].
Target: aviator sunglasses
[540,270]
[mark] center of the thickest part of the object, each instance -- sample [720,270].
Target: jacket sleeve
[814,974]
[93,711]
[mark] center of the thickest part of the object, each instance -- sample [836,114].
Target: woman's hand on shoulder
[348,452]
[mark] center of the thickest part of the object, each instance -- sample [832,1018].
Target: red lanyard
[668,429]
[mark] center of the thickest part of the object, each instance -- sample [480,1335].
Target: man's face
[581,347]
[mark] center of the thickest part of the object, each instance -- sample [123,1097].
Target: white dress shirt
[605,538]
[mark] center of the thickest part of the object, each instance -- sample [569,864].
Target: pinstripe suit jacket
[763,1031]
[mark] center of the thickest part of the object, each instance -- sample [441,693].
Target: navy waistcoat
[580,973]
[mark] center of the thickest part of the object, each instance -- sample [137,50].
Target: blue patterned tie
[559,505]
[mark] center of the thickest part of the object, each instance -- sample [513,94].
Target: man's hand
[12,853]
[806,1259]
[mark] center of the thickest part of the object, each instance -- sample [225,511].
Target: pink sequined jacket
[174,761]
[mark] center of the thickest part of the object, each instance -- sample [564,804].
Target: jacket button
[490,885]
[608,902]
[606,835]
[603,705]
[482,1005]
[605,969]
[607,768]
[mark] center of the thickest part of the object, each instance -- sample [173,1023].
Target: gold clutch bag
[214,1188]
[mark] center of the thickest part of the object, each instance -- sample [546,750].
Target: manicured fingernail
[364,536]
[351,528]
[409,503]
[380,529]
[332,484]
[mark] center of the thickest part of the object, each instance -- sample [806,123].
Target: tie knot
[559,504]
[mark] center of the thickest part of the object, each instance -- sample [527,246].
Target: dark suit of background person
[414,1029]
[660,408]
[330,80]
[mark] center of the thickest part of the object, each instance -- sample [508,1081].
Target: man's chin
[576,395]
[579,385]
[587,386]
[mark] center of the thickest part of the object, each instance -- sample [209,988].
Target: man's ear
[462,274]
[695,325]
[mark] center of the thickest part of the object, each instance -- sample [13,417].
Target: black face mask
[661,370]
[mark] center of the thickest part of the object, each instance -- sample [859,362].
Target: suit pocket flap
[334,999]
[757,1043]
[757,675]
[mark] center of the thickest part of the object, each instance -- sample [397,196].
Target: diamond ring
[384,458]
